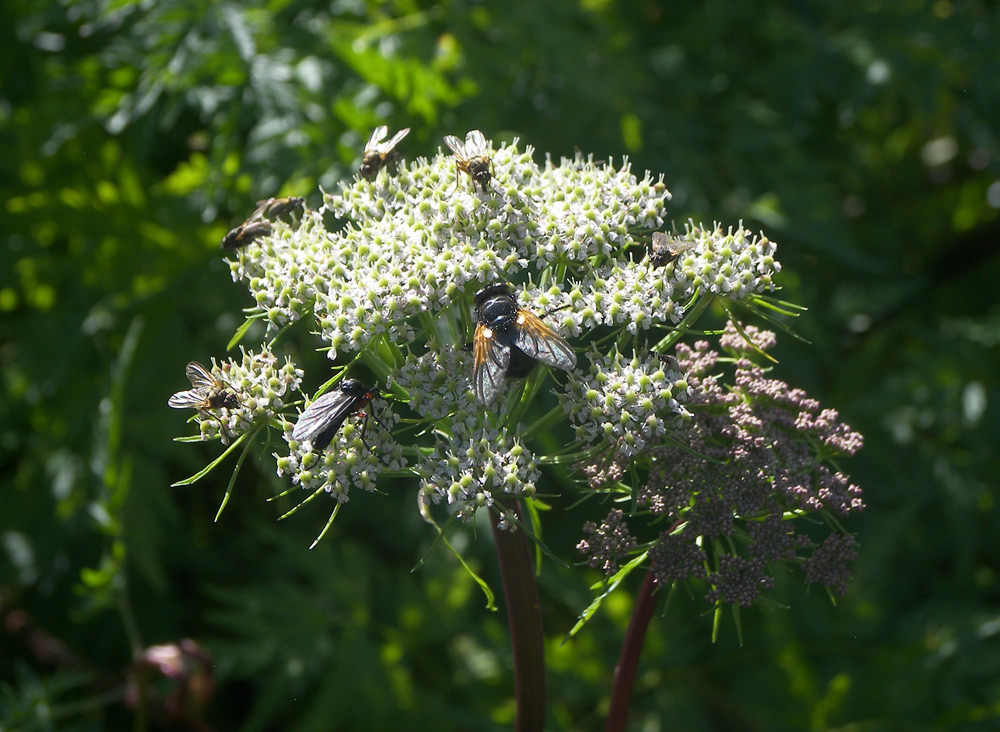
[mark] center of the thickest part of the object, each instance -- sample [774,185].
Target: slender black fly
[380,154]
[509,340]
[207,391]
[320,421]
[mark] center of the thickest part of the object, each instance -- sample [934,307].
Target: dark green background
[862,137]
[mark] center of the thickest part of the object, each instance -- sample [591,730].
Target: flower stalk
[628,660]
[524,616]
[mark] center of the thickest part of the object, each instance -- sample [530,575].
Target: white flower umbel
[472,461]
[440,390]
[387,270]
[361,449]
[731,263]
[261,387]
[473,472]
[626,401]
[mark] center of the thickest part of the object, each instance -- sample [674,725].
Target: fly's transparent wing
[377,136]
[326,414]
[282,206]
[476,145]
[200,377]
[191,399]
[456,146]
[491,359]
[258,212]
[542,343]
[387,147]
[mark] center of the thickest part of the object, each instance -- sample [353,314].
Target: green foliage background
[862,137]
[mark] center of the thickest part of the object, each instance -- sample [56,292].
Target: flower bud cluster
[750,457]
[261,387]
[610,542]
[625,401]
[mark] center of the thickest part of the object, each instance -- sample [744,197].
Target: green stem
[525,618]
[555,415]
[692,314]
[628,661]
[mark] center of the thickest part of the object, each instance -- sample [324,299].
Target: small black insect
[245,234]
[472,157]
[665,359]
[509,340]
[207,391]
[321,419]
[258,224]
[272,208]
[380,154]
[666,249]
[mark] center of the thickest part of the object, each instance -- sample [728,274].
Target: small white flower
[626,402]
[733,264]
[469,473]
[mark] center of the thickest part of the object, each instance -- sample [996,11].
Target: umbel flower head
[386,270]
[754,455]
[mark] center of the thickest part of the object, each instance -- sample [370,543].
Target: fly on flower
[272,208]
[509,340]
[666,249]
[207,391]
[473,157]
[666,360]
[321,419]
[257,223]
[379,154]
[245,234]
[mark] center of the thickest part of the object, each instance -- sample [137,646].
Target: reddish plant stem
[517,572]
[628,661]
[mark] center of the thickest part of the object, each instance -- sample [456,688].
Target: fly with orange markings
[509,340]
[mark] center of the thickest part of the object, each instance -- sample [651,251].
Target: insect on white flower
[473,157]
[380,154]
